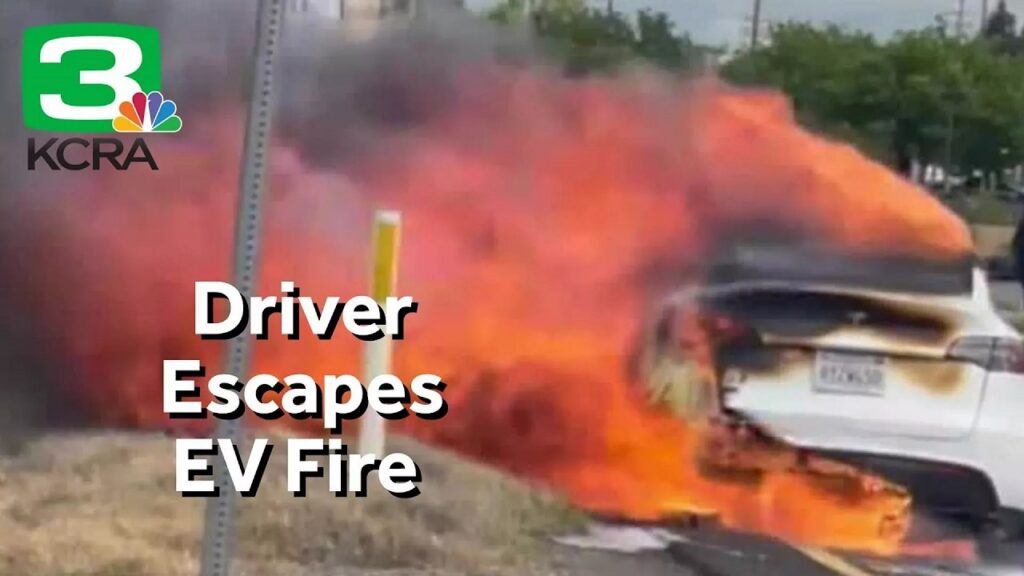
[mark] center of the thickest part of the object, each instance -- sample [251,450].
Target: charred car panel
[767,341]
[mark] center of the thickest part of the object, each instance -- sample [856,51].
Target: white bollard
[377,359]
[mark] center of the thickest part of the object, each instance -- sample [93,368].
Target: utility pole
[947,183]
[960,7]
[755,25]
[953,98]
[984,15]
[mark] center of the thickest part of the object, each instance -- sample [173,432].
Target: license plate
[855,374]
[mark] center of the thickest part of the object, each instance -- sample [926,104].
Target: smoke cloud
[336,97]
[545,214]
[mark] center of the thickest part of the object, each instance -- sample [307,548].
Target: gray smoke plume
[339,97]
[335,95]
[332,85]
[342,95]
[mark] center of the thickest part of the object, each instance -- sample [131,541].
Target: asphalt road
[721,553]
[1007,296]
[707,550]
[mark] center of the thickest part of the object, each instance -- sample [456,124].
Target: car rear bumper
[993,445]
[983,471]
[938,487]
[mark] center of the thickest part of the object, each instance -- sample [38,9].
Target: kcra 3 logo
[93,78]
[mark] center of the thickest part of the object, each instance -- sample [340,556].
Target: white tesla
[909,373]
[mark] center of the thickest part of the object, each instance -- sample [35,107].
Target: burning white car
[912,375]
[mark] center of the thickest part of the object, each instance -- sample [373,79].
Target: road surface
[721,553]
[698,550]
[1007,296]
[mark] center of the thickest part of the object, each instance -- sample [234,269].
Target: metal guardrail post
[220,510]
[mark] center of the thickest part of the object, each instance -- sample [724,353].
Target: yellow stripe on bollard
[387,227]
[386,234]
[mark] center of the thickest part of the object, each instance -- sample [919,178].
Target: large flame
[543,216]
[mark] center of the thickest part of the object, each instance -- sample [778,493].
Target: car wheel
[1000,552]
[1001,541]
[1011,525]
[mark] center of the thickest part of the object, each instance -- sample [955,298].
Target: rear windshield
[799,313]
[803,266]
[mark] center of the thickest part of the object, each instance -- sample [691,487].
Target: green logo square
[74,76]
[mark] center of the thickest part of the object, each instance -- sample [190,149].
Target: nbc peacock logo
[147,113]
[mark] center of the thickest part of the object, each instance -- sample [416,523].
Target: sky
[722,22]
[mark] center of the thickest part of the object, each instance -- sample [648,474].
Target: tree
[904,100]
[586,39]
[922,96]
[508,12]
[656,41]
[1001,24]
[990,136]
[589,40]
[927,83]
[1001,30]
[840,82]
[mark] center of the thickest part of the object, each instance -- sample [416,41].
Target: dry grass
[105,505]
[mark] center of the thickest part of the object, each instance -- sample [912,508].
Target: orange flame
[543,216]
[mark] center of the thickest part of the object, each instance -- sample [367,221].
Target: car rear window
[805,313]
[811,267]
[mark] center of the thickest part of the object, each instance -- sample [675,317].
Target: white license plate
[855,374]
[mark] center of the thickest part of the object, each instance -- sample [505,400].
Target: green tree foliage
[922,95]
[1001,29]
[508,12]
[657,42]
[837,80]
[590,40]
[902,99]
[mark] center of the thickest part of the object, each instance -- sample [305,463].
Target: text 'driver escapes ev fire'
[221,312]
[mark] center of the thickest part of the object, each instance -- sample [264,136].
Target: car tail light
[994,354]
[1008,356]
[725,330]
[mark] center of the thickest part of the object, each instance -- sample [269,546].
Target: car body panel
[920,397]
[995,446]
[931,407]
[811,338]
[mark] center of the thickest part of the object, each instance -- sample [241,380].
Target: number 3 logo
[74,76]
[127,59]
